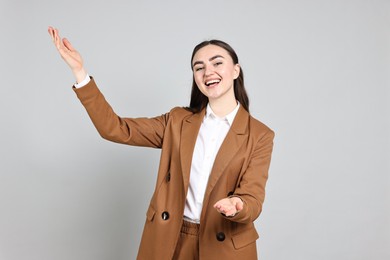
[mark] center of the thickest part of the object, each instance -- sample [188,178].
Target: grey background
[317,72]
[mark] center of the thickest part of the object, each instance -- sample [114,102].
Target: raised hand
[229,206]
[69,54]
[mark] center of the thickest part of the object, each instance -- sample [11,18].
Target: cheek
[230,73]
[198,80]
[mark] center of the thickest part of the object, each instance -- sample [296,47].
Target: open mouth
[213,82]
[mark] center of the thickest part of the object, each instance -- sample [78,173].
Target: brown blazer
[240,169]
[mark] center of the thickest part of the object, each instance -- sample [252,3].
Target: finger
[219,203]
[53,35]
[58,42]
[56,38]
[50,31]
[239,204]
[219,207]
[230,213]
[226,208]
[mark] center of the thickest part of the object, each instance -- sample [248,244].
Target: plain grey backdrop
[317,73]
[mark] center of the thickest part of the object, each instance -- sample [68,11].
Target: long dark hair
[198,100]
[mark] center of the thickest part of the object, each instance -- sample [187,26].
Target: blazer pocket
[245,238]
[150,213]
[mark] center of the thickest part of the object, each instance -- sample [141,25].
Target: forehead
[209,51]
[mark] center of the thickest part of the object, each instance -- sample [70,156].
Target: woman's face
[215,72]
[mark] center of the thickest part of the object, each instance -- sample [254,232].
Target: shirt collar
[229,117]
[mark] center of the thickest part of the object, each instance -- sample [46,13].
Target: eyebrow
[211,59]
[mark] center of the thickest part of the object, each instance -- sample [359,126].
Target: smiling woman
[214,74]
[225,58]
[214,158]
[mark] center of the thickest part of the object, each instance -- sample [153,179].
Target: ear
[237,69]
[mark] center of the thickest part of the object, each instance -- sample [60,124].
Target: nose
[208,70]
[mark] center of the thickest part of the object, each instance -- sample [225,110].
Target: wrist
[80,75]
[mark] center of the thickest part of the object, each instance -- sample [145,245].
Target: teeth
[212,82]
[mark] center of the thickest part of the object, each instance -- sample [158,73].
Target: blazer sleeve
[146,132]
[251,187]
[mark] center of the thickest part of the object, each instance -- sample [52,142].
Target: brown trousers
[187,247]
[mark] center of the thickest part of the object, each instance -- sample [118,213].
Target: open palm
[70,55]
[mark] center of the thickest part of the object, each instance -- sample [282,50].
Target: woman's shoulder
[180,112]
[258,126]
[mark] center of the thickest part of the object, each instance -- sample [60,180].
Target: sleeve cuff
[83,82]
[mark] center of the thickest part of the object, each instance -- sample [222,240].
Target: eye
[198,68]
[218,63]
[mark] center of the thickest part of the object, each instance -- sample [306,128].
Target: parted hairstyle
[198,99]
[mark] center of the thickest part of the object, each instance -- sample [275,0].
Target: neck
[223,107]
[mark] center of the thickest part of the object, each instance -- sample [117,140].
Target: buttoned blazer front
[240,169]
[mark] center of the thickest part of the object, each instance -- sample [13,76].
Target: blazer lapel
[233,141]
[189,133]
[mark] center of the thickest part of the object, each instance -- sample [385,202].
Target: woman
[214,163]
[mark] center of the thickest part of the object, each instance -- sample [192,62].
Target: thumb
[239,205]
[67,44]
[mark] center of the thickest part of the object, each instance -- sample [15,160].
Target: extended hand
[69,54]
[229,206]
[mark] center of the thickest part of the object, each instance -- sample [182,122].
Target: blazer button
[230,193]
[220,236]
[165,215]
[168,178]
